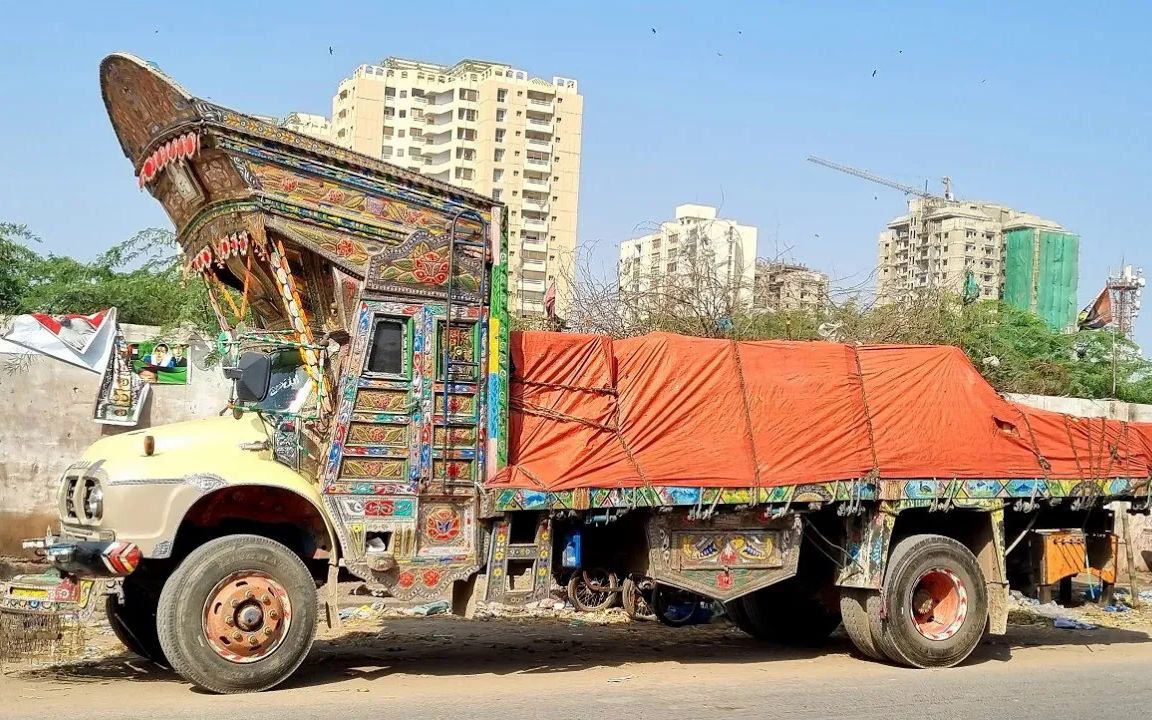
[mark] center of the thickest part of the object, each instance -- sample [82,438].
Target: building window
[500,113]
[400,152]
[497,175]
[501,95]
[496,194]
[499,134]
[403,113]
[498,156]
[400,133]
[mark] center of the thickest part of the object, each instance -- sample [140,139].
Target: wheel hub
[250,617]
[938,604]
[246,616]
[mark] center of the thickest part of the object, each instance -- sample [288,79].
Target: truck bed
[668,420]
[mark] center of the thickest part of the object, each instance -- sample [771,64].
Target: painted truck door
[406,457]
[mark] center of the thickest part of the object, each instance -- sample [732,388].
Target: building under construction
[981,250]
[984,250]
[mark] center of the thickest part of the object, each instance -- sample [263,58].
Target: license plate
[29,593]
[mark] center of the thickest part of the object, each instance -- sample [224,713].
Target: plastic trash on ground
[433,608]
[1065,623]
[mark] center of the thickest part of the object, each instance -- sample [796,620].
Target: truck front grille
[69,504]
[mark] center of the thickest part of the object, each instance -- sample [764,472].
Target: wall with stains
[46,423]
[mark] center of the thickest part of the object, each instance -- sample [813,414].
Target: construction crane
[865,175]
[920,246]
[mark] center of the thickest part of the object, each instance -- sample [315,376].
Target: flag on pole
[1099,313]
[550,301]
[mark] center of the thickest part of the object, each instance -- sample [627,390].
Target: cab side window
[388,353]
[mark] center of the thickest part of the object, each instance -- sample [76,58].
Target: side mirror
[251,376]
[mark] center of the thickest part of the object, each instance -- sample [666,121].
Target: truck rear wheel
[789,613]
[934,606]
[133,622]
[854,611]
[238,615]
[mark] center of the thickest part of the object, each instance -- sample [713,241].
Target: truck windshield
[289,384]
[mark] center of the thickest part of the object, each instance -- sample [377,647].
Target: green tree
[15,260]
[141,277]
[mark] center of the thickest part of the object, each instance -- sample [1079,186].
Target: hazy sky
[1042,106]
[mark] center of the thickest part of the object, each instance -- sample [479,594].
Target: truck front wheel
[133,621]
[934,605]
[238,615]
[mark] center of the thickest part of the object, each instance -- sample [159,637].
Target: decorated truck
[387,426]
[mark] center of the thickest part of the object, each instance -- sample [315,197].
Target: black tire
[593,589]
[134,622]
[739,617]
[183,605]
[669,604]
[890,612]
[636,605]
[789,613]
[854,612]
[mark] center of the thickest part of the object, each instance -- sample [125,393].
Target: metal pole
[1113,361]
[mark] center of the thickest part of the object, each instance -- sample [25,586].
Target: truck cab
[364,317]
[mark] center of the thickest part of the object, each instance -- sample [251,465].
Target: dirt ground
[386,654]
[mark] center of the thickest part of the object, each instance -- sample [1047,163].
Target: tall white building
[316,126]
[490,128]
[695,246]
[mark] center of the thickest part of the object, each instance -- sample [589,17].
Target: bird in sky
[653,31]
[330,52]
[874,73]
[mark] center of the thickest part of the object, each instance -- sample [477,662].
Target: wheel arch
[981,530]
[279,513]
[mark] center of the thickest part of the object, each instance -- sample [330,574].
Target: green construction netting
[1018,246]
[1041,269]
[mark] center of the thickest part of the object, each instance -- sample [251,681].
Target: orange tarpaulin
[590,412]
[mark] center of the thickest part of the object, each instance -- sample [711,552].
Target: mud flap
[332,599]
[724,557]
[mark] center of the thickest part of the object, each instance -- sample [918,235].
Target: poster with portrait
[122,392]
[160,363]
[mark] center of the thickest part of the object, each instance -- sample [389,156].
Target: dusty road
[446,668]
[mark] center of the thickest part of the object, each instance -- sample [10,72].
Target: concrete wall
[46,423]
[1115,409]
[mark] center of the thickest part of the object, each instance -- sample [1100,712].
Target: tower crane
[865,175]
[924,227]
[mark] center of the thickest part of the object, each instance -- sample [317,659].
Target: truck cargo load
[666,410]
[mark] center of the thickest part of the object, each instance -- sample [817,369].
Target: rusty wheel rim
[247,616]
[939,604]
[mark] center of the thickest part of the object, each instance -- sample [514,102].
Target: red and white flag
[550,300]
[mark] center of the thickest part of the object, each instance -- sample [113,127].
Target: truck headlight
[93,500]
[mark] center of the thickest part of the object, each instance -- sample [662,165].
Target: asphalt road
[443,668]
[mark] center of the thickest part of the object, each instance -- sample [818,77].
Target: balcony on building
[535,180]
[533,224]
[541,102]
[531,285]
[538,161]
[535,201]
[539,140]
[531,242]
[538,122]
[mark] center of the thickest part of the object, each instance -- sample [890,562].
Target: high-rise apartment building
[788,286]
[696,247]
[942,243]
[490,128]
